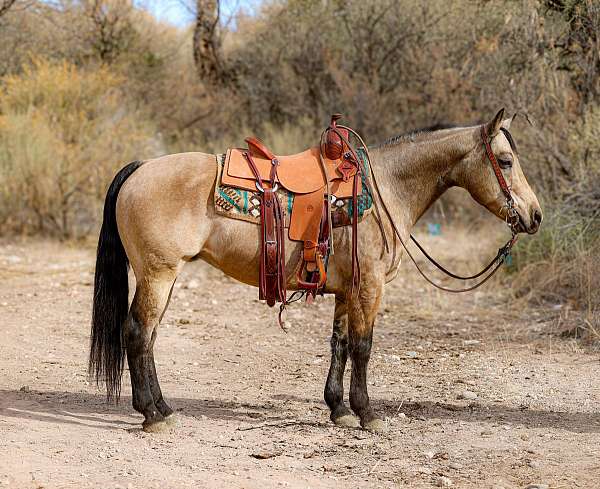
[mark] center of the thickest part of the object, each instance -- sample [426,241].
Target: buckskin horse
[159,215]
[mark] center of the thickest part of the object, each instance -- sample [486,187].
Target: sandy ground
[249,397]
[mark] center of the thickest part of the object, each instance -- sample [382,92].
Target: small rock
[402,415]
[455,466]
[411,354]
[184,321]
[25,388]
[265,455]
[471,342]
[534,464]
[537,486]
[468,395]
[430,454]
[444,481]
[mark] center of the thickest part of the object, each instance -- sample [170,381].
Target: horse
[159,215]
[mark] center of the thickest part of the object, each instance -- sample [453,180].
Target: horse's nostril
[537,217]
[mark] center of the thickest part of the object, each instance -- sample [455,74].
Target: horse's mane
[438,126]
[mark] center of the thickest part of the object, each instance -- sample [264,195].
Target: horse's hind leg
[149,302]
[159,401]
[334,388]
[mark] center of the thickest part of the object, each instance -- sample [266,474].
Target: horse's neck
[411,171]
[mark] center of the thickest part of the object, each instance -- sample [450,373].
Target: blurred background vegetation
[88,85]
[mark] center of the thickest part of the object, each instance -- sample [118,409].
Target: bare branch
[5,5]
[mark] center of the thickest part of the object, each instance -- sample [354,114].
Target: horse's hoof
[347,421]
[171,420]
[376,425]
[155,427]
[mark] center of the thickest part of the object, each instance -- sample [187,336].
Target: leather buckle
[262,190]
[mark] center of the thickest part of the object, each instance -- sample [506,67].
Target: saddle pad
[244,205]
[300,173]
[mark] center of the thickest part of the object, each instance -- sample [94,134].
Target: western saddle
[313,176]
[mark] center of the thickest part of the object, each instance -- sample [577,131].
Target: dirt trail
[249,398]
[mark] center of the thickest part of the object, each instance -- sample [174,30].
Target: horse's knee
[339,341]
[137,335]
[359,347]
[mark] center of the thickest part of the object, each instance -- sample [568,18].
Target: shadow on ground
[83,408]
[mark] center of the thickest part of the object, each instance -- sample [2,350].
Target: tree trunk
[5,5]
[207,43]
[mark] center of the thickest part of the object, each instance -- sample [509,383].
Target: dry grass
[62,137]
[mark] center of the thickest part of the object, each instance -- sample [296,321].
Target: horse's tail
[111,295]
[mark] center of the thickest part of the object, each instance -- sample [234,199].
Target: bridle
[512,216]
[512,220]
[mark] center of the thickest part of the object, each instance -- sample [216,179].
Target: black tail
[111,295]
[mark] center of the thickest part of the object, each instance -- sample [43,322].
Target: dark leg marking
[334,387]
[157,395]
[137,341]
[360,352]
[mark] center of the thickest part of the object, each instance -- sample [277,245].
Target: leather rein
[512,220]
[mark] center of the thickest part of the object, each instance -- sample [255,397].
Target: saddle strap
[272,263]
[272,278]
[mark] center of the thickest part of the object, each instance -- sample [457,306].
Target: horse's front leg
[362,310]
[334,388]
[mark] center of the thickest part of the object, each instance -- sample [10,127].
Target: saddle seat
[300,173]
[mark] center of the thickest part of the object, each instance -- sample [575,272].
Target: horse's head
[476,174]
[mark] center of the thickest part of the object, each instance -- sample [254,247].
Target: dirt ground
[478,392]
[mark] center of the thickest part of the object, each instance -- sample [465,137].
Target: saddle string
[499,259]
[327,193]
[369,187]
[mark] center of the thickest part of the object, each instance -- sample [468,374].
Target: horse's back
[164,209]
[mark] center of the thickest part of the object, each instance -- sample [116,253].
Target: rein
[512,219]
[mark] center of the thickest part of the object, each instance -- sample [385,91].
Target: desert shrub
[63,134]
[561,262]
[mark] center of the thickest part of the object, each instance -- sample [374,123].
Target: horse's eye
[504,163]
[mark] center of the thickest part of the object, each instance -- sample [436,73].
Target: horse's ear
[507,122]
[494,126]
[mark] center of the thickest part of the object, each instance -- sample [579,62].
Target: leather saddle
[332,168]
